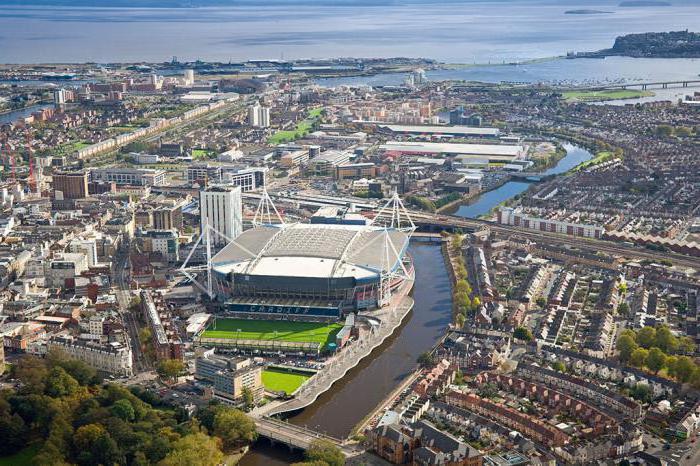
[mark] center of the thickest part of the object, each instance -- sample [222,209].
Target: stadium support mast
[395,215]
[190,271]
[266,212]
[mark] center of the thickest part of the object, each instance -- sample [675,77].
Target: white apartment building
[85,246]
[112,358]
[259,116]
[221,208]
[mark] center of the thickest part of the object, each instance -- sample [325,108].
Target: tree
[656,359]
[626,346]
[13,433]
[641,392]
[462,302]
[623,309]
[31,373]
[248,399]
[169,369]
[459,320]
[559,366]
[522,333]
[233,427]
[665,340]
[686,345]
[86,435]
[123,410]
[426,359]
[323,450]
[476,302]
[541,301]
[60,383]
[462,286]
[646,337]
[684,369]
[639,357]
[196,449]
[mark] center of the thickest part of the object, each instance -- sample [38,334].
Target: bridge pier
[644,87]
[664,86]
[685,83]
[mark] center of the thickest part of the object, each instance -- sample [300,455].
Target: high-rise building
[221,208]
[259,116]
[167,218]
[189,77]
[70,185]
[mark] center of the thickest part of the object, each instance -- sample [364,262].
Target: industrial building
[443,131]
[497,153]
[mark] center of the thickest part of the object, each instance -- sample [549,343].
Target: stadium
[311,270]
[286,287]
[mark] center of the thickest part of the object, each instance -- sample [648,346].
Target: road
[120,278]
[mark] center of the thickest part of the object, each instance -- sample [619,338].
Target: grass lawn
[21,458]
[301,130]
[598,96]
[274,330]
[201,154]
[600,157]
[278,380]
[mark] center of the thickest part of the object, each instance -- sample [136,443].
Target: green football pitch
[273,330]
[283,381]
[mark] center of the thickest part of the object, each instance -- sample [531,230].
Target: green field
[277,380]
[201,154]
[21,458]
[599,96]
[600,157]
[274,330]
[301,130]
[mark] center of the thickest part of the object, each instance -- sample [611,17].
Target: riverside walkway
[389,319]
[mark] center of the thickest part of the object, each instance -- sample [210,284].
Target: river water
[15,115]
[483,204]
[363,388]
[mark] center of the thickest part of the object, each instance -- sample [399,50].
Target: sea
[468,32]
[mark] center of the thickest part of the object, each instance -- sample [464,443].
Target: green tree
[639,357]
[646,337]
[233,427]
[665,340]
[459,320]
[197,449]
[623,309]
[323,450]
[60,383]
[626,346]
[641,392]
[656,359]
[522,333]
[541,301]
[684,369]
[123,410]
[462,301]
[559,366]
[170,369]
[686,345]
[248,399]
[426,359]
[86,436]
[32,373]
[462,286]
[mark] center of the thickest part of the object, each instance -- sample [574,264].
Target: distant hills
[674,44]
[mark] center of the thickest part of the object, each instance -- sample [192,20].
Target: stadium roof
[313,250]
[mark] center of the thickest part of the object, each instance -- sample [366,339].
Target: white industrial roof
[488,150]
[457,130]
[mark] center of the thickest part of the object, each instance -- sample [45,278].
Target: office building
[326,162]
[203,173]
[356,171]
[259,116]
[85,246]
[163,242]
[249,178]
[129,176]
[221,208]
[189,77]
[229,376]
[70,185]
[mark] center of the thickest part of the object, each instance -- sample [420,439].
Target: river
[363,388]
[15,115]
[483,204]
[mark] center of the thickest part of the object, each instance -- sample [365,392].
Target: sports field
[273,330]
[603,95]
[278,380]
